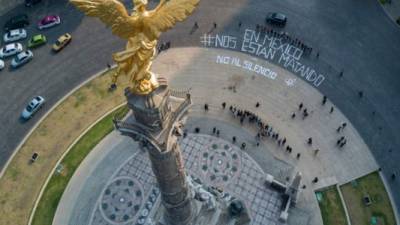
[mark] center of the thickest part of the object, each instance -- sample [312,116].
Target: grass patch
[331,207]
[58,182]
[79,99]
[22,181]
[380,208]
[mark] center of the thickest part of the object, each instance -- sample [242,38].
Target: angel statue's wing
[112,12]
[168,13]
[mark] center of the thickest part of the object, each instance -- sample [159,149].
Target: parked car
[61,42]
[29,3]
[16,22]
[14,35]
[37,41]
[33,106]
[10,49]
[21,59]
[49,21]
[1,64]
[276,19]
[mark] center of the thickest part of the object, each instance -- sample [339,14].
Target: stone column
[151,124]
[168,168]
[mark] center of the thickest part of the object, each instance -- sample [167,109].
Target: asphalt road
[354,36]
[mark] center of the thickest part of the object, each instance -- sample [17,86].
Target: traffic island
[53,191]
[331,207]
[367,201]
[22,181]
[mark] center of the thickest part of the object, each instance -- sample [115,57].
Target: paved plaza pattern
[121,200]
[219,165]
[131,194]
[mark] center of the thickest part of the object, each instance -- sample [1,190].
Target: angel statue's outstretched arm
[167,13]
[111,12]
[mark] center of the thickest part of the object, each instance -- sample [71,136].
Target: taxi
[61,42]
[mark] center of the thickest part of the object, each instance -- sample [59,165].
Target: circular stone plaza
[255,121]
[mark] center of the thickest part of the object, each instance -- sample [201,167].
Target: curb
[390,17]
[389,192]
[346,212]
[62,157]
[22,142]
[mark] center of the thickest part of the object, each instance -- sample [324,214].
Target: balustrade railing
[134,128]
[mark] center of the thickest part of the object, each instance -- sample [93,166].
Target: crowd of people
[264,130]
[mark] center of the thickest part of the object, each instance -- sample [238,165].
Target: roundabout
[214,159]
[215,76]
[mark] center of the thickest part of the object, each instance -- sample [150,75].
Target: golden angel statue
[141,29]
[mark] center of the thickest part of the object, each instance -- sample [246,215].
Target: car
[14,35]
[49,21]
[16,22]
[276,18]
[61,42]
[29,3]
[33,106]
[37,41]
[10,49]
[1,64]
[21,59]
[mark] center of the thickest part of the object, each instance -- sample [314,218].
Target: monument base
[156,123]
[210,207]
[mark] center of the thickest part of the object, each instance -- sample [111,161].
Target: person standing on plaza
[343,143]
[338,129]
